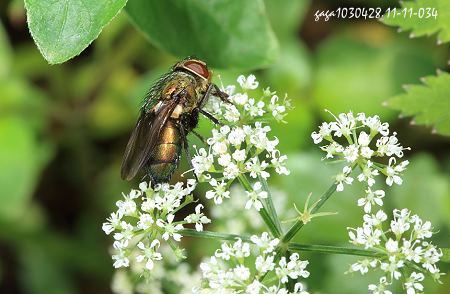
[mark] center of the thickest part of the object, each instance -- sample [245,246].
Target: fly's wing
[144,138]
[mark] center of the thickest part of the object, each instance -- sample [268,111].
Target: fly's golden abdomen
[165,157]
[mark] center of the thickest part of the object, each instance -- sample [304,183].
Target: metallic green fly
[169,113]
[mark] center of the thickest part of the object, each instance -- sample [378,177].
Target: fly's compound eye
[198,68]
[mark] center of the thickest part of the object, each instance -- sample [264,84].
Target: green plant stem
[416,267]
[269,202]
[335,250]
[268,219]
[292,246]
[299,223]
[213,235]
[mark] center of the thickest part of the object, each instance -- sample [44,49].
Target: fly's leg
[211,117]
[205,96]
[222,95]
[199,136]
[213,89]
[186,150]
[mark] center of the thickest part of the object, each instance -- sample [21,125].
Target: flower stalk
[213,235]
[269,203]
[296,247]
[335,250]
[264,212]
[299,223]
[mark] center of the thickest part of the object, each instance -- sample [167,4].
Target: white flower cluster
[145,217]
[408,253]
[242,146]
[245,108]
[172,276]
[358,141]
[226,271]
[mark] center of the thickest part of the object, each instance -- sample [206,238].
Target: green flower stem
[269,202]
[417,268]
[212,235]
[335,250]
[299,223]
[266,216]
[291,246]
[296,247]
[188,200]
[244,181]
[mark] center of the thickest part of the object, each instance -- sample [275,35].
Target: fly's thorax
[194,88]
[199,88]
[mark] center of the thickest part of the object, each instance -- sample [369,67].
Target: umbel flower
[179,276]
[145,218]
[362,142]
[229,270]
[408,253]
[242,146]
[147,229]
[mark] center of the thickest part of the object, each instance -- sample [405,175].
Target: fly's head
[199,70]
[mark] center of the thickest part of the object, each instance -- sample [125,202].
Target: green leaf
[422,26]
[62,29]
[224,33]
[446,256]
[428,103]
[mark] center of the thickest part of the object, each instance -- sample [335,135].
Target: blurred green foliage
[63,128]
[361,67]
